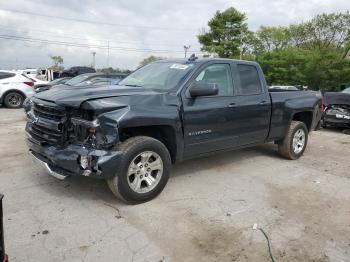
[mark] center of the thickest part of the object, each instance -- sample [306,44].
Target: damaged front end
[72,141]
[337,115]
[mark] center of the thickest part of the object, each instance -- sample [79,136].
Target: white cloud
[188,16]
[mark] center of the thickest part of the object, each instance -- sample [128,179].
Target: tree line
[314,53]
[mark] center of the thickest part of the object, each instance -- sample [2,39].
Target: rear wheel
[143,170]
[14,100]
[295,142]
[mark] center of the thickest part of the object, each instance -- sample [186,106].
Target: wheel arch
[304,116]
[12,91]
[164,133]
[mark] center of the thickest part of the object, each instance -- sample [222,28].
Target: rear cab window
[250,80]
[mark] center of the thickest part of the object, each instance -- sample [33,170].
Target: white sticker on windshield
[179,66]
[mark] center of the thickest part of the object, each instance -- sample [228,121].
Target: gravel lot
[206,212]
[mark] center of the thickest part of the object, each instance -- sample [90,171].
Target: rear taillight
[322,105]
[29,83]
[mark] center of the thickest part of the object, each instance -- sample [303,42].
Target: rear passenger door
[253,104]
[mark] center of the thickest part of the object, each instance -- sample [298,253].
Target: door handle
[263,102]
[232,105]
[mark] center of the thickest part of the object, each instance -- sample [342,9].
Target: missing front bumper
[62,162]
[45,166]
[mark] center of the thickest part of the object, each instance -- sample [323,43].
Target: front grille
[48,126]
[48,112]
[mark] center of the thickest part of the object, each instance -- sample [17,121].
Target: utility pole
[108,53]
[186,48]
[93,59]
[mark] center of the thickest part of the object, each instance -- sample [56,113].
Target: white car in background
[33,74]
[14,88]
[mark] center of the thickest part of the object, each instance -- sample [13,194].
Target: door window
[219,74]
[250,80]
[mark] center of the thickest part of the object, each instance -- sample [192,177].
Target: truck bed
[286,104]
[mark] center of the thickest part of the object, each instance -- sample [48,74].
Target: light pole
[93,59]
[186,48]
[108,53]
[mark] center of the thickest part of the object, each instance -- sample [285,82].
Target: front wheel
[294,144]
[143,170]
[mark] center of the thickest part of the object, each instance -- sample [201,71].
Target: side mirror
[203,89]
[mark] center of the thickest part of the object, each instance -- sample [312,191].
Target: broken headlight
[93,133]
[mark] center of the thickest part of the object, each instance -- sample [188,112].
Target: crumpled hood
[73,96]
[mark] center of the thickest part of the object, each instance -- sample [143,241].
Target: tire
[291,150]
[14,100]
[133,167]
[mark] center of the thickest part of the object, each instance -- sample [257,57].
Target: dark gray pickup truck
[163,113]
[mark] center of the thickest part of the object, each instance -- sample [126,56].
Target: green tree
[314,53]
[274,38]
[226,32]
[327,69]
[328,31]
[57,60]
[149,60]
[284,66]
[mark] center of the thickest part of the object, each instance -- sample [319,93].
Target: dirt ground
[206,212]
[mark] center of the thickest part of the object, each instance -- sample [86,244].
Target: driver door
[209,120]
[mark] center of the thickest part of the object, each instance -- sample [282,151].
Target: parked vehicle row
[43,87]
[89,79]
[76,70]
[164,113]
[34,75]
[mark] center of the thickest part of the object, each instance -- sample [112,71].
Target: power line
[70,44]
[95,21]
[78,37]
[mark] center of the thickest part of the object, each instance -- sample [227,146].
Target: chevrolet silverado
[164,113]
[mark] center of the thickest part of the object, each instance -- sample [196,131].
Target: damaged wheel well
[163,133]
[305,117]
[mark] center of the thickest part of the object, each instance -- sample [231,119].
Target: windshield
[77,80]
[161,75]
[346,90]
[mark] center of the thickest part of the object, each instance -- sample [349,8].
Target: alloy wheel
[145,172]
